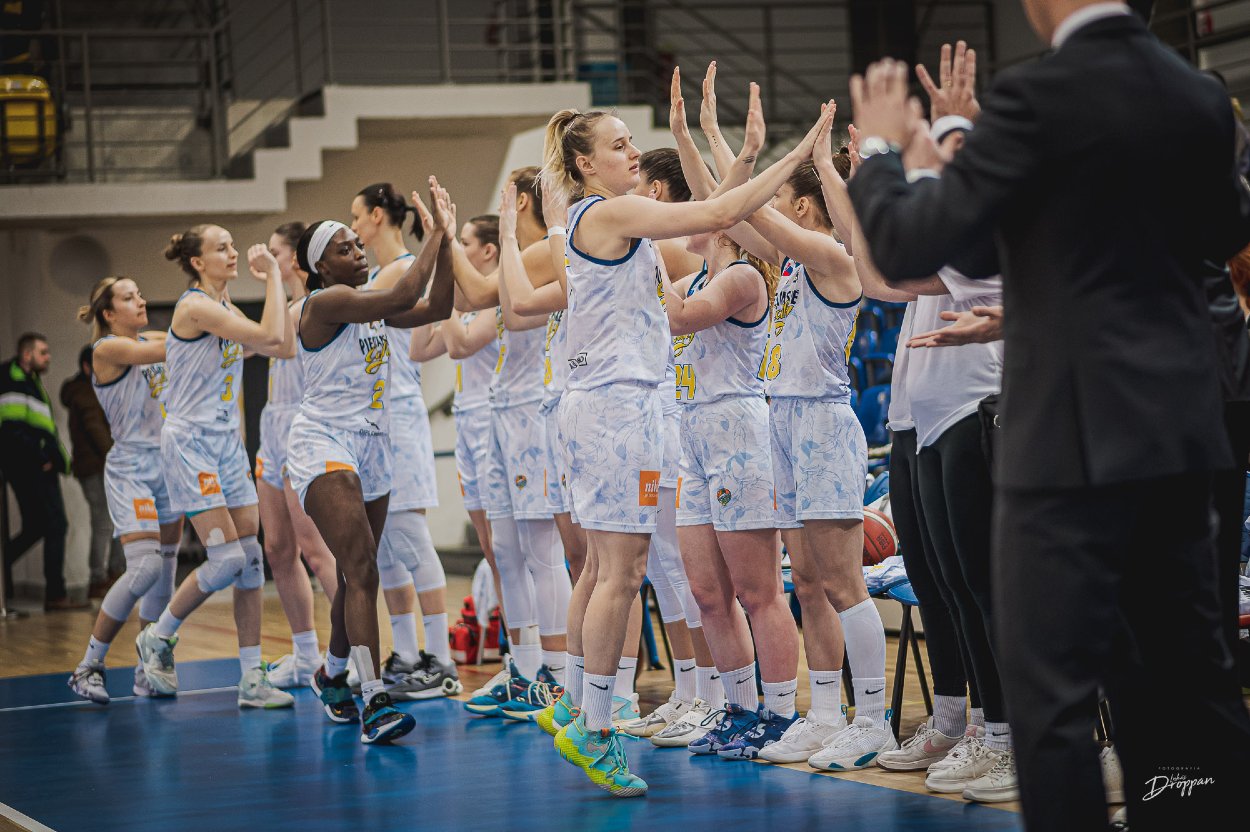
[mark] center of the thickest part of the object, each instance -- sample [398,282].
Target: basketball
[880,539]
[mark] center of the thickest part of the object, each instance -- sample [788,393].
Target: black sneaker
[382,722]
[336,697]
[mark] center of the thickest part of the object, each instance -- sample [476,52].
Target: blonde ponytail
[569,134]
[93,312]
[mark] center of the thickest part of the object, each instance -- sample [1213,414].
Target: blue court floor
[199,763]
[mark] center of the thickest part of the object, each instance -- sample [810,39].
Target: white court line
[28,823]
[84,702]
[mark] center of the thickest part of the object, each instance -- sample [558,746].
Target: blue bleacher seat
[878,368]
[870,316]
[866,342]
[889,340]
[892,314]
[856,368]
[873,411]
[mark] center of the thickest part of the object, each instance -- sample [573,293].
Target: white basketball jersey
[345,380]
[722,360]
[474,374]
[518,375]
[808,340]
[556,349]
[132,403]
[405,373]
[205,377]
[617,328]
[286,378]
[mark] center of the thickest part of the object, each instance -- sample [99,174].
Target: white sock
[707,687]
[335,665]
[166,625]
[948,715]
[404,632]
[865,649]
[626,669]
[685,682]
[371,687]
[554,660]
[575,672]
[249,658]
[977,716]
[436,643]
[779,697]
[597,701]
[362,660]
[740,688]
[96,651]
[998,736]
[826,696]
[305,644]
[528,658]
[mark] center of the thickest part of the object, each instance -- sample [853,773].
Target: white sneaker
[293,671]
[928,746]
[500,678]
[802,739]
[625,710]
[157,656]
[659,719]
[142,687]
[87,681]
[975,761]
[856,747]
[256,691]
[685,729]
[1112,775]
[999,783]
[956,754]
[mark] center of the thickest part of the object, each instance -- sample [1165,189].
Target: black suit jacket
[1105,172]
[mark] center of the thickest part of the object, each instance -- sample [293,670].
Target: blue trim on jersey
[826,302]
[102,385]
[633,247]
[299,326]
[703,275]
[699,280]
[171,323]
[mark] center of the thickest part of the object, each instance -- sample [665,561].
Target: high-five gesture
[427,222]
[707,110]
[753,139]
[677,107]
[507,212]
[956,95]
[880,100]
[443,212]
[555,206]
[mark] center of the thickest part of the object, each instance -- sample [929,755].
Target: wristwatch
[875,145]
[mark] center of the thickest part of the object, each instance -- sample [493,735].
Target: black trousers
[941,626]
[1116,587]
[958,499]
[39,501]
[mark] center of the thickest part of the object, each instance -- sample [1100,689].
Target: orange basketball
[880,539]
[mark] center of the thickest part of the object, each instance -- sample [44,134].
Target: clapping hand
[955,95]
[444,210]
[677,106]
[879,98]
[423,213]
[507,212]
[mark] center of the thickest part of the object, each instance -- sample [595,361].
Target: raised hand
[555,206]
[822,150]
[262,264]
[443,209]
[804,148]
[879,98]
[707,110]
[853,149]
[756,130]
[980,325]
[427,221]
[921,152]
[507,212]
[955,94]
[676,108]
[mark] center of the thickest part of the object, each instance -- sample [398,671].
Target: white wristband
[557,231]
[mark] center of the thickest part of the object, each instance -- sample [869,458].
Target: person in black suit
[1111,412]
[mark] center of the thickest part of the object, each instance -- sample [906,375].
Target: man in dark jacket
[90,440]
[32,460]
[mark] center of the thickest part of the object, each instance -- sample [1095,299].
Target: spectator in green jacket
[32,460]
[90,440]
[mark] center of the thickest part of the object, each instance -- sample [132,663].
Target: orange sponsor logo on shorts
[209,484]
[679,492]
[331,465]
[145,509]
[260,466]
[460,479]
[649,488]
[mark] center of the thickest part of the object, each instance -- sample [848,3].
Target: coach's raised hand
[956,94]
[879,98]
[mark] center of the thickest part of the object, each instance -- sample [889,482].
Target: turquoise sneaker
[555,716]
[487,699]
[600,755]
[625,710]
[526,704]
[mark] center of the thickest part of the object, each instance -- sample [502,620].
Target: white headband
[320,239]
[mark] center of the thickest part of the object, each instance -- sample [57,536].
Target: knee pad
[225,563]
[157,597]
[670,603]
[544,560]
[143,569]
[664,566]
[391,573]
[253,574]
[514,579]
[407,536]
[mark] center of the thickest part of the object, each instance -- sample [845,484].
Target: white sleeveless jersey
[518,375]
[556,354]
[808,341]
[617,328]
[722,360]
[286,377]
[132,403]
[205,378]
[405,373]
[345,380]
[474,374]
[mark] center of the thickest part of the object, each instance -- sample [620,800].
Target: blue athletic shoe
[382,722]
[748,744]
[526,704]
[732,721]
[487,699]
[600,756]
[546,676]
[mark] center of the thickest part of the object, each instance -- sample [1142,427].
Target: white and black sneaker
[87,681]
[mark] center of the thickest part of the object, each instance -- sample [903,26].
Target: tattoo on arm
[748,160]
